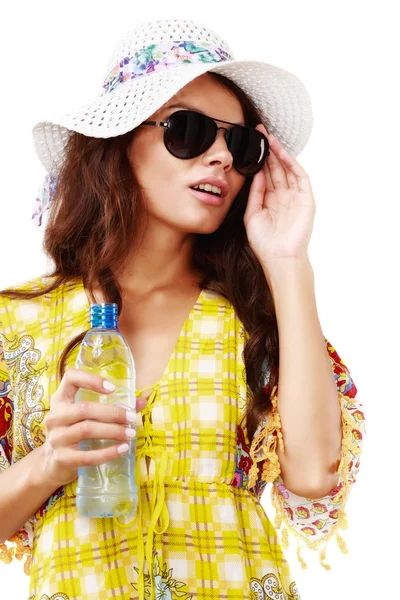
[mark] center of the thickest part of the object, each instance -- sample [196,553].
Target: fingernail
[130,416]
[108,386]
[123,448]
[130,433]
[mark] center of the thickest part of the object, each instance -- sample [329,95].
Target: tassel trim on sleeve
[17,550]
[263,448]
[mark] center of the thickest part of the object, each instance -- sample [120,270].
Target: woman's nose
[219,149]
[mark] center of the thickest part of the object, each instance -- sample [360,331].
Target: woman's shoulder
[211,300]
[34,284]
[23,306]
[38,284]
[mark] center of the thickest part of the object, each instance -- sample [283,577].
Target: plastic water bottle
[109,489]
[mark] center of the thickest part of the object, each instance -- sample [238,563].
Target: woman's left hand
[280,209]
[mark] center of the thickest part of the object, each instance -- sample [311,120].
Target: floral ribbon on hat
[158,57]
[44,198]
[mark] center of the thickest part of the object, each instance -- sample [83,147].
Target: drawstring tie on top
[158,505]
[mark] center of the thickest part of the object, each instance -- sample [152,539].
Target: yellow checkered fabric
[212,539]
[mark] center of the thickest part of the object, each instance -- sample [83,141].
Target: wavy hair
[93,218]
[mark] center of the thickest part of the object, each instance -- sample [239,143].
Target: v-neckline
[187,321]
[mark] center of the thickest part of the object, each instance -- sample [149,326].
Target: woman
[170,197]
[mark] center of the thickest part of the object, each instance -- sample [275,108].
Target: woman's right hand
[68,422]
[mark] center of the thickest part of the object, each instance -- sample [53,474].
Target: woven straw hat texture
[279,95]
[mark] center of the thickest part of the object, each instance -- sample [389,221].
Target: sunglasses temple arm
[159,123]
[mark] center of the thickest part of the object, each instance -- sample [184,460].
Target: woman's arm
[23,490]
[307,400]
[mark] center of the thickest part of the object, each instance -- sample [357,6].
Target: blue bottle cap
[104,315]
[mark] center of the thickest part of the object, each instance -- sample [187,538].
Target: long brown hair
[89,233]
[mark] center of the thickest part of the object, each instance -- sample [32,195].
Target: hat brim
[283,101]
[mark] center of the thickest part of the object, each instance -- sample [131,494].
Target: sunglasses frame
[166,125]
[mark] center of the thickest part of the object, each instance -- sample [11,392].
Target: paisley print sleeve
[312,521]
[19,545]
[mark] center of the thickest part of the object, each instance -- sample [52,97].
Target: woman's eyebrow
[190,107]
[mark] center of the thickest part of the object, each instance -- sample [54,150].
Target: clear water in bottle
[109,489]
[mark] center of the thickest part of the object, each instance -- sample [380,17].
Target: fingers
[69,422]
[91,430]
[255,200]
[76,378]
[65,414]
[268,178]
[279,175]
[274,169]
[281,168]
[140,404]
[64,411]
[71,458]
[296,176]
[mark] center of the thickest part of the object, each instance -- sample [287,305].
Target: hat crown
[160,31]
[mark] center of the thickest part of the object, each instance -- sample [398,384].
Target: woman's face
[166,180]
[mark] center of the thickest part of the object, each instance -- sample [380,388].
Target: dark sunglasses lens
[189,134]
[249,149]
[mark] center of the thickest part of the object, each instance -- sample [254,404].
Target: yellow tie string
[158,505]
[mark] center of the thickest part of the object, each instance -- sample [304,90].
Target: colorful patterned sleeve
[20,544]
[312,521]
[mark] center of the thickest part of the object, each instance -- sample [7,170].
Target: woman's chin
[205,225]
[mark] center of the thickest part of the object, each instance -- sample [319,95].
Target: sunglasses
[189,133]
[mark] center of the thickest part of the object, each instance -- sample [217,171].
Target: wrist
[38,473]
[281,272]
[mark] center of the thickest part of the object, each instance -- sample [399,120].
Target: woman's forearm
[307,395]
[23,489]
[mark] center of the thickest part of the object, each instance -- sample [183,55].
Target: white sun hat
[149,65]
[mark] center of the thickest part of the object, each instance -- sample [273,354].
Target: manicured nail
[108,386]
[130,416]
[130,433]
[123,448]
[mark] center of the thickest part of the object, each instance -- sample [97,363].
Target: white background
[53,55]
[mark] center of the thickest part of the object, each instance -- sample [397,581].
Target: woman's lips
[209,199]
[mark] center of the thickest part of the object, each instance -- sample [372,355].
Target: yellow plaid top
[200,530]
